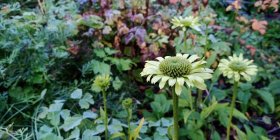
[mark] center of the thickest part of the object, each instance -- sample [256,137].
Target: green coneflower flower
[101,84]
[236,67]
[186,22]
[177,71]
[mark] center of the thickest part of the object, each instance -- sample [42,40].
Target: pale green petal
[171,82]
[251,71]
[156,78]
[203,75]
[163,81]
[236,76]
[249,62]
[160,59]
[224,61]
[155,63]
[180,81]
[252,66]
[188,82]
[198,64]
[178,54]
[193,58]
[231,58]
[186,55]
[240,57]
[200,85]
[149,77]
[246,77]
[195,78]
[178,89]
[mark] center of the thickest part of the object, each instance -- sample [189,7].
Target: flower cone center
[237,66]
[186,22]
[175,67]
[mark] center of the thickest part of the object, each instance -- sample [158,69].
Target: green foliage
[51,50]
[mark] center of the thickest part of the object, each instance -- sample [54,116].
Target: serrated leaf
[71,122]
[117,83]
[208,110]
[86,101]
[240,115]
[135,133]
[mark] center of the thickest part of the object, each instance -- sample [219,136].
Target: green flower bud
[127,103]
[102,82]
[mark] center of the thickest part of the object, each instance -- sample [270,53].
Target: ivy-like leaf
[86,101]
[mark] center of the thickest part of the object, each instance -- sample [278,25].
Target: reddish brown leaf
[259,26]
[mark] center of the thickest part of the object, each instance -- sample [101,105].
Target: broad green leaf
[54,118]
[240,115]
[221,48]
[75,134]
[135,133]
[71,122]
[65,113]
[52,136]
[215,136]
[166,122]
[117,83]
[241,134]
[186,114]
[89,114]
[208,110]
[101,67]
[161,131]
[92,21]
[86,101]
[211,59]
[88,135]
[77,94]
[157,136]
[274,86]
[196,135]
[268,98]
[250,134]
[57,106]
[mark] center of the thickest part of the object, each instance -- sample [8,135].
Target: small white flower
[236,67]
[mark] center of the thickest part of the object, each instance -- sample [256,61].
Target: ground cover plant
[139,69]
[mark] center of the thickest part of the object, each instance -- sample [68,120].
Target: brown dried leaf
[252,49]
[236,5]
[259,26]
[242,19]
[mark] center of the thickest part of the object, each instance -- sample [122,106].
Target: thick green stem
[129,115]
[175,117]
[105,114]
[232,106]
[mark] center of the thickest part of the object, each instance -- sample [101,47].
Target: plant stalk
[128,121]
[199,98]
[175,116]
[105,114]
[232,106]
